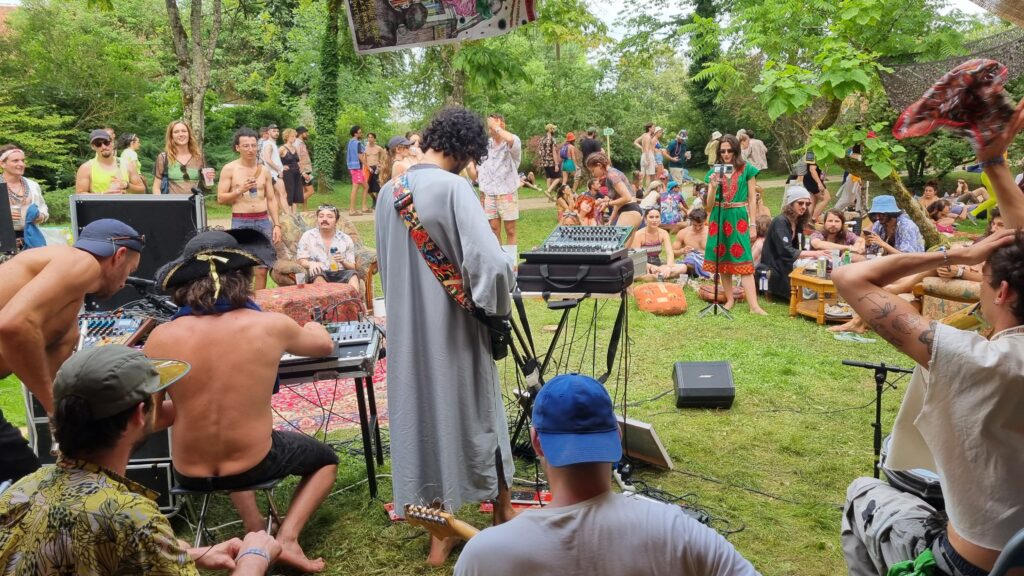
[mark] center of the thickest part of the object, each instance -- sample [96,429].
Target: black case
[610,278]
[703,384]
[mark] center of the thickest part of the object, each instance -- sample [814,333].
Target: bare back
[223,420]
[44,288]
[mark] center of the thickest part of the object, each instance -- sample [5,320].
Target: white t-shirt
[499,172]
[964,419]
[607,535]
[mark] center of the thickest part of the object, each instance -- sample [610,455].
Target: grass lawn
[772,470]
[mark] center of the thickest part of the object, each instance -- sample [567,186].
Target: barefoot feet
[292,555]
[440,550]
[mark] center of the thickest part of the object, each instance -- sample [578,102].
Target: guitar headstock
[439,523]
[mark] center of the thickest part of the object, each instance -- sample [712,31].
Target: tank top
[100,178]
[653,248]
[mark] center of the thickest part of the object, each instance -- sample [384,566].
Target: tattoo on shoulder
[928,336]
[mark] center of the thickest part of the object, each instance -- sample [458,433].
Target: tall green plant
[41,134]
[325,101]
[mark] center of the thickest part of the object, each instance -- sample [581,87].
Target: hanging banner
[382,25]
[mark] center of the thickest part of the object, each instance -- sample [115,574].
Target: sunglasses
[141,239]
[100,143]
[725,151]
[326,207]
[803,203]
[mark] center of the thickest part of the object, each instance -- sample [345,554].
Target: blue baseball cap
[575,421]
[102,237]
[884,204]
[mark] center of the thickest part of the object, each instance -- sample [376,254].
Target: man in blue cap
[587,526]
[41,294]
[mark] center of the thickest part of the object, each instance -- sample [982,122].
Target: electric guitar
[439,523]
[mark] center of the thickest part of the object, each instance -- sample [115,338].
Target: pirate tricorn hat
[214,252]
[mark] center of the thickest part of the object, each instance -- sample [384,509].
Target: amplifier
[158,477]
[582,245]
[8,239]
[703,384]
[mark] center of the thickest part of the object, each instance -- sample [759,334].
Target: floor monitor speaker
[703,384]
[167,221]
[8,240]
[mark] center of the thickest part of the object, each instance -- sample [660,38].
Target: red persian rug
[327,403]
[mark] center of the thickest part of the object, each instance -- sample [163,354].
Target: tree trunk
[457,93]
[194,60]
[893,185]
[835,106]
[325,102]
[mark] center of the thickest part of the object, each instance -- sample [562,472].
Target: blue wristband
[256,552]
[996,160]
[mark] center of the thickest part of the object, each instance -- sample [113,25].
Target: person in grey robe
[449,433]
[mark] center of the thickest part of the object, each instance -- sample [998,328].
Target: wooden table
[807,278]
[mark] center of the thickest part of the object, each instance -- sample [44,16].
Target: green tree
[325,102]
[43,136]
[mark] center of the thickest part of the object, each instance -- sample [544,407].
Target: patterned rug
[307,406]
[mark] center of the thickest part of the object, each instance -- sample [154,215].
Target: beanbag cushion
[660,298]
[707,293]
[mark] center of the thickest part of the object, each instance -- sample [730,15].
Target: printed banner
[381,25]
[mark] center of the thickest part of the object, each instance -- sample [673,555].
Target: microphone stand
[881,377]
[714,307]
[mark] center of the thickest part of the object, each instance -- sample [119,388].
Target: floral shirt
[671,207]
[78,518]
[499,172]
[311,246]
[546,152]
[908,235]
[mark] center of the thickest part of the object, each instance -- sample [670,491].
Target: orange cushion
[663,299]
[707,293]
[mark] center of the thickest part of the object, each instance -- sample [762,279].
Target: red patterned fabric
[304,407]
[660,298]
[338,302]
[707,294]
[969,101]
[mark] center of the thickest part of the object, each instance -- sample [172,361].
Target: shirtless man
[247,188]
[104,174]
[375,156]
[41,293]
[645,142]
[690,243]
[223,436]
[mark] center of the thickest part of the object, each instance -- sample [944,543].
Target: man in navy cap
[104,173]
[41,294]
[587,526]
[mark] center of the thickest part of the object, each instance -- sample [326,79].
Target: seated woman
[653,240]
[762,224]
[587,211]
[782,243]
[938,211]
[835,236]
[673,208]
[566,205]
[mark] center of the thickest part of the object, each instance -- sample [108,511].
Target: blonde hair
[193,146]
[288,132]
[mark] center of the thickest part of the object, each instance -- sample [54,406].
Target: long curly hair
[193,144]
[457,133]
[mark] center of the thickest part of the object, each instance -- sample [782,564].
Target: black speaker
[158,477]
[8,241]
[703,384]
[167,221]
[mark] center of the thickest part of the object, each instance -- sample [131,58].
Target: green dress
[733,247]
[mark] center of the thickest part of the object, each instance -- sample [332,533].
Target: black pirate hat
[216,251]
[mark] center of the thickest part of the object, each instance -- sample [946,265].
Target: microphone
[140,283]
[870,366]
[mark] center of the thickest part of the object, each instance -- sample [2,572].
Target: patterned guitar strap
[446,273]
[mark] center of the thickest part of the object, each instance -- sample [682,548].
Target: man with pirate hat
[223,437]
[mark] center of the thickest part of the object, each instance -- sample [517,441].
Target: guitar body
[439,523]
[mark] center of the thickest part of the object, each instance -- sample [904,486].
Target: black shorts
[552,172]
[374,181]
[631,207]
[336,276]
[16,458]
[291,454]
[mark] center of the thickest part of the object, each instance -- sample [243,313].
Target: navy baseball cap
[575,421]
[102,237]
[99,134]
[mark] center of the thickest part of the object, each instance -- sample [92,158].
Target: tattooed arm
[862,285]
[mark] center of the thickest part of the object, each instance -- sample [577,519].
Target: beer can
[822,267]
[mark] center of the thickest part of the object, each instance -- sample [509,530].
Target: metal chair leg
[201,524]
[272,515]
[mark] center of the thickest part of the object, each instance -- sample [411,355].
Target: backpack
[564,151]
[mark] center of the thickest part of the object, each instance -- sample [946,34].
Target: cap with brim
[575,421]
[272,127]
[884,205]
[716,135]
[113,378]
[103,237]
[672,184]
[397,141]
[570,137]
[99,135]
[216,251]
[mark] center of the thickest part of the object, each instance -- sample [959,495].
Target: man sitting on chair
[223,436]
[328,254]
[83,516]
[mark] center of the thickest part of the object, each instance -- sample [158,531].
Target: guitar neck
[440,524]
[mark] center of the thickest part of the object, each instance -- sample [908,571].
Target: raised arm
[1011,197]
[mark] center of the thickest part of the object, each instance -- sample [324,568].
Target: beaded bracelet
[254,551]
